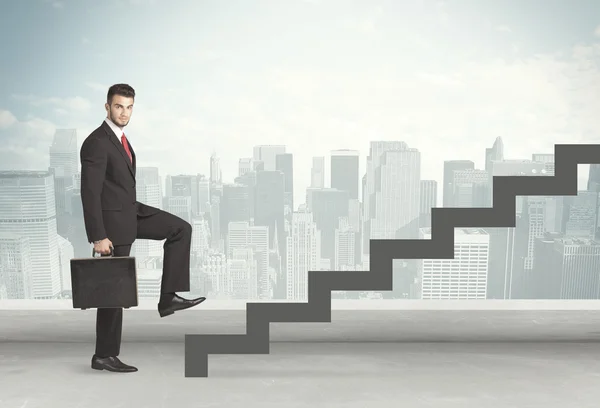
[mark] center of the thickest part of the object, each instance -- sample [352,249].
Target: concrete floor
[366,358]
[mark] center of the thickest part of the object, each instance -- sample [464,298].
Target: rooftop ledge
[351,321]
[342,304]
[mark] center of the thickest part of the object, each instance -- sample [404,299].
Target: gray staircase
[382,253]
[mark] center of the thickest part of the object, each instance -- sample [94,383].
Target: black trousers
[175,277]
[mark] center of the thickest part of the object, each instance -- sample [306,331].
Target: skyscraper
[244,166]
[235,204]
[63,152]
[494,153]
[15,267]
[470,188]
[345,246]
[149,191]
[216,175]
[450,167]
[64,166]
[581,214]
[148,186]
[27,208]
[180,206]
[464,276]
[214,270]
[568,268]
[540,215]
[427,201]
[249,179]
[372,194]
[328,206]
[216,235]
[204,197]
[246,235]
[269,204]
[547,159]
[397,195]
[303,252]
[200,237]
[594,177]
[514,168]
[505,243]
[317,172]
[196,187]
[344,171]
[242,269]
[267,154]
[285,163]
[65,254]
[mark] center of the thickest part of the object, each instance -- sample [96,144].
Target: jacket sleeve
[93,171]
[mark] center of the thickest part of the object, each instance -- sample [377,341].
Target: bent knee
[186,227]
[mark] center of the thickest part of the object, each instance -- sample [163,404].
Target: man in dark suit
[114,219]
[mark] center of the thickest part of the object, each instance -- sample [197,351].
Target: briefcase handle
[94,252]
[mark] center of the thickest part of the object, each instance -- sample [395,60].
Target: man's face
[120,110]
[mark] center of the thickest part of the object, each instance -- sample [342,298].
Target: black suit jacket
[108,195]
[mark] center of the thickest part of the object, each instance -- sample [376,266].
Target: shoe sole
[163,314]
[100,368]
[170,312]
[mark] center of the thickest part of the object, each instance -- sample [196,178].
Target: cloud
[503,29]
[121,3]
[25,142]
[597,31]
[76,103]
[533,103]
[439,79]
[55,4]
[449,97]
[451,113]
[296,83]
[25,139]
[97,86]
[368,24]
[195,56]
[7,119]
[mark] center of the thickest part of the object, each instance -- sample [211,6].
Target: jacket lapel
[133,163]
[113,138]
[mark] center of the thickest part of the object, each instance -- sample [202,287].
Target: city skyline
[300,189]
[469,92]
[342,167]
[466,73]
[248,243]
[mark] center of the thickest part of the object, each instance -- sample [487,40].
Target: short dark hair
[120,89]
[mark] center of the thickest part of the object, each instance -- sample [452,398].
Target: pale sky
[447,77]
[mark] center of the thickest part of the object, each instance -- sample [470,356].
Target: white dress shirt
[118,131]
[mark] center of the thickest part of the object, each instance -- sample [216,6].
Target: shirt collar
[118,131]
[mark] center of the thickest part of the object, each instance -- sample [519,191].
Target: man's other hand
[103,247]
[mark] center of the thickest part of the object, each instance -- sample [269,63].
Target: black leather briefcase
[105,281]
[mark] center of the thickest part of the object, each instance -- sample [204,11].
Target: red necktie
[126,146]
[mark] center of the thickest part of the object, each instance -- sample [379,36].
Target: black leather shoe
[111,364]
[169,304]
